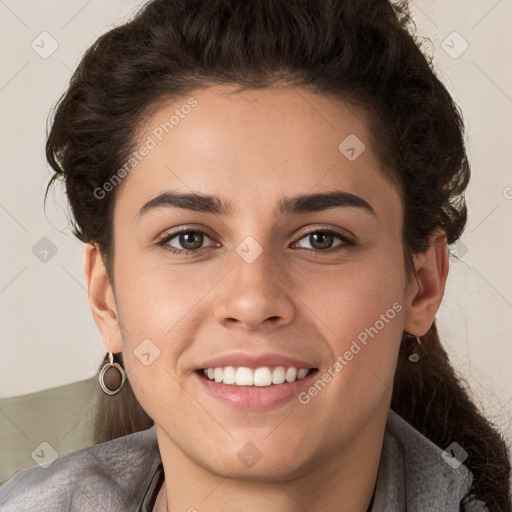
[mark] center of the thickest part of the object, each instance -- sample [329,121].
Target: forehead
[253,147]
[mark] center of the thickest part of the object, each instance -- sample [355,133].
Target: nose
[255,295]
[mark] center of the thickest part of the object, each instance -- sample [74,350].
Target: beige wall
[48,337]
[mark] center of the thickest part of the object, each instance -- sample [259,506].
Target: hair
[364,53]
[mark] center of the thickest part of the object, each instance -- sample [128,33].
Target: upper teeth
[264,376]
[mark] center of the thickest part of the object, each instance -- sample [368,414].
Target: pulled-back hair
[363,52]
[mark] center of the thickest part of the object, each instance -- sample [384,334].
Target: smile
[261,377]
[258,389]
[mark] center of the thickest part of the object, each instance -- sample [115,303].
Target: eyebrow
[286,206]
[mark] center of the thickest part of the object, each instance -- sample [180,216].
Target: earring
[415,357]
[117,380]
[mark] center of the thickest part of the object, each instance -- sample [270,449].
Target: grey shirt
[125,475]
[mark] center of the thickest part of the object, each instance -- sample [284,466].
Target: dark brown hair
[363,52]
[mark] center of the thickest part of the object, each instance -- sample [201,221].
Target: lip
[254,397]
[254,361]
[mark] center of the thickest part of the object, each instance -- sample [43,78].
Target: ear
[426,291]
[101,299]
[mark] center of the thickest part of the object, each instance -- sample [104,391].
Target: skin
[253,148]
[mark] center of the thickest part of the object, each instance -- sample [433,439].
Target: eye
[190,239]
[321,240]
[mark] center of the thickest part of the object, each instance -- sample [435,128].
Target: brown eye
[190,240]
[187,240]
[322,239]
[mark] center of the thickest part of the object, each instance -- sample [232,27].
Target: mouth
[255,377]
[255,389]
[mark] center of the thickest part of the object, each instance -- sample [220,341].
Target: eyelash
[347,242]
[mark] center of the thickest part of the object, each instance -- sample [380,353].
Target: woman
[266,191]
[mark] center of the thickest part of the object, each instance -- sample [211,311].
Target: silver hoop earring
[415,357]
[104,370]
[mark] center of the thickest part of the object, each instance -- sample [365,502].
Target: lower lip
[255,397]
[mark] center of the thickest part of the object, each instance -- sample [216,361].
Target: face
[318,285]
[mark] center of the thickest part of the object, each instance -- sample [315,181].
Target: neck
[346,476]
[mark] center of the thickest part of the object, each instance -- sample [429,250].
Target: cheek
[352,298]
[155,310]
[362,317]
[155,299]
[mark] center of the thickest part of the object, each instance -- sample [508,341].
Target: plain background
[47,334]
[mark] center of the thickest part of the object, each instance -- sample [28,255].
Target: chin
[249,463]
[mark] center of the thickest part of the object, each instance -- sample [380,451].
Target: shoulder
[109,476]
[415,472]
